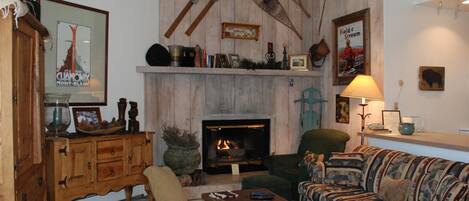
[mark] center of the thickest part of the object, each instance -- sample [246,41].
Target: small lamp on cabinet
[365,88]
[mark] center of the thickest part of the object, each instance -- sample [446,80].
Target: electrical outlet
[401,83]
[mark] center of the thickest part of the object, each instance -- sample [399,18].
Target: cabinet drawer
[110,170]
[110,149]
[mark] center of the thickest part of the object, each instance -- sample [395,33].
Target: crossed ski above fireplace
[243,142]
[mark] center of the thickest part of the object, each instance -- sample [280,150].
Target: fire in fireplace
[242,142]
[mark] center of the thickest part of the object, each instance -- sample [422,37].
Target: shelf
[226,71]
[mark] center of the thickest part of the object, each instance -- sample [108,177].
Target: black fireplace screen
[242,142]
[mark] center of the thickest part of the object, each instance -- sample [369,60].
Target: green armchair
[320,141]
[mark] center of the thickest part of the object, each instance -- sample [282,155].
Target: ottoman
[276,184]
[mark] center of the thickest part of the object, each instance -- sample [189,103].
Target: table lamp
[364,87]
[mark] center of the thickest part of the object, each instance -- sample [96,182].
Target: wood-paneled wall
[335,9]
[187,100]
[208,33]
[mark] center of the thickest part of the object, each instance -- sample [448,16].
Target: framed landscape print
[76,54]
[240,31]
[342,109]
[431,78]
[352,46]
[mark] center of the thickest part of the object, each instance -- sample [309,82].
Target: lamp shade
[363,86]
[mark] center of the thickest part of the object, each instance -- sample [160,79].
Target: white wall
[133,28]
[417,36]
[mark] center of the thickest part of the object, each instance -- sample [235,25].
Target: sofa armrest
[317,172]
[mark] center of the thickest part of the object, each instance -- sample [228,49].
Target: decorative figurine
[270,55]
[134,125]
[122,105]
[285,57]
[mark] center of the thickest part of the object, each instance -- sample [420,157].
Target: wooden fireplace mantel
[226,71]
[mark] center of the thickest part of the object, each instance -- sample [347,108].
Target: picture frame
[299,62]
[240,31]
[234,60]
[342,109]
[77,60]
[84,116]
[431,78]
[391,119]
[351,47]
[221,61]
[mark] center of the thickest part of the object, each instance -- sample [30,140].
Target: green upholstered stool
[276,184]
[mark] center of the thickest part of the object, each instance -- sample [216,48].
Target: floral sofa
[432,179]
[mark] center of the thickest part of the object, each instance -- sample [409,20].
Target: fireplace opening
[242,142]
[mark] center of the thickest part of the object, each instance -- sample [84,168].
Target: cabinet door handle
[112,173]
[24,197]
[131,157]
[40,181]
[63,150]
[64,182]
[113,151]
[89,165]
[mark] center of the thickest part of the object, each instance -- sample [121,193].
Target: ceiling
[448,4]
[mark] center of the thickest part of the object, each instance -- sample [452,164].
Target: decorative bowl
[101,131]
[406,128]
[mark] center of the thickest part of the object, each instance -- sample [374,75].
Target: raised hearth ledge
[458,142]
[225,71]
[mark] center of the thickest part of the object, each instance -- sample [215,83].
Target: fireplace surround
[245,142]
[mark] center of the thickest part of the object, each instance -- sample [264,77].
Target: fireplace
[242,142]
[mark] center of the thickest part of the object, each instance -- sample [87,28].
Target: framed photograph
[299,62]
[240,31]
[84,118]
[76,61]
[234,60]
[431,78]
[352,46]
[342,109]
[391,119]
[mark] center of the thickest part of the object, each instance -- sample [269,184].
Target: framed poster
[352,46]
[391,119]
[342,109]
[76,54]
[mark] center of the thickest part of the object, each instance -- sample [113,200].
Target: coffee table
[244,195]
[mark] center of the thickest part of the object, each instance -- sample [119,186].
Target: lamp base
[363,116]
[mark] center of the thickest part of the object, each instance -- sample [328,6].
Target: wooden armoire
[22,165]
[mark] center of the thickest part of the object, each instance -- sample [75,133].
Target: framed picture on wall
[342,109]
[391,119]
[431,78]
[76,62]
[351,47]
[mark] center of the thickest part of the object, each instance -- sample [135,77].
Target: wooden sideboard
[82,165]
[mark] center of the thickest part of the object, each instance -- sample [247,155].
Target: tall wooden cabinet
[81,165]
[22,167]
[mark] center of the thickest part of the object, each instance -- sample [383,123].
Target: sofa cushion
[394,189]
[344,169]
[450,188]
[425,173]
[324,192]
